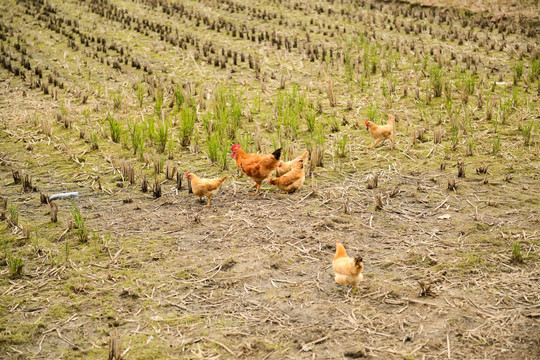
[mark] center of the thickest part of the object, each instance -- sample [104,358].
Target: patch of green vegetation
[419,260]
[516,253]
[59,311]
[266,346]
[191,319]
[482,226]
[435,75]
[471,261]
[149,350]
[183,274]
[15,266]
[87,353]
[80,224]
[188,116]
[108,312]
[151,353]
[409,357]
[115,127]
[13,215]
[20,333]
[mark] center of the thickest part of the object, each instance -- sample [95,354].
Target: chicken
[204,187]
[381,132]
[292,180]
[284,167]
[257,166]
[348,270]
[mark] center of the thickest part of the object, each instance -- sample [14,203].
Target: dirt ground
[251,277]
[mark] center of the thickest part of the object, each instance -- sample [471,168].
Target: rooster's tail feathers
[277,153]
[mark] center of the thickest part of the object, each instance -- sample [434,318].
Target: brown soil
[251,276]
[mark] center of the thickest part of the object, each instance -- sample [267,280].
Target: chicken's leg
[375,143]
[208,203]
[257,191]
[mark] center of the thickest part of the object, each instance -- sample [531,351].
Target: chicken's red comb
[187,173]
[367,120]
[338,242]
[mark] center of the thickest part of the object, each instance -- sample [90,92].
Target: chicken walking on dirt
[293,180]
[348,271]
[257,166]
[381,132]
[205,187]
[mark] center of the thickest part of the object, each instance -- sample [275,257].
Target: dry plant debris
[99,96]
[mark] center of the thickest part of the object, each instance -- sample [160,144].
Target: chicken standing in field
[381,132]
[285,167]
[204,187]
[293,180]
[257,166]
[348,271]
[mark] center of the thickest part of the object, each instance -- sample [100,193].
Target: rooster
[348,271]
[205,187]
[293,180]
[257,166]
[284,167]
[382,132]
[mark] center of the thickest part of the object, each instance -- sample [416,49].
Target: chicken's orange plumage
[292,180]
[205,187]
[285,166]
[257,166]
[348,271]
[381,132]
